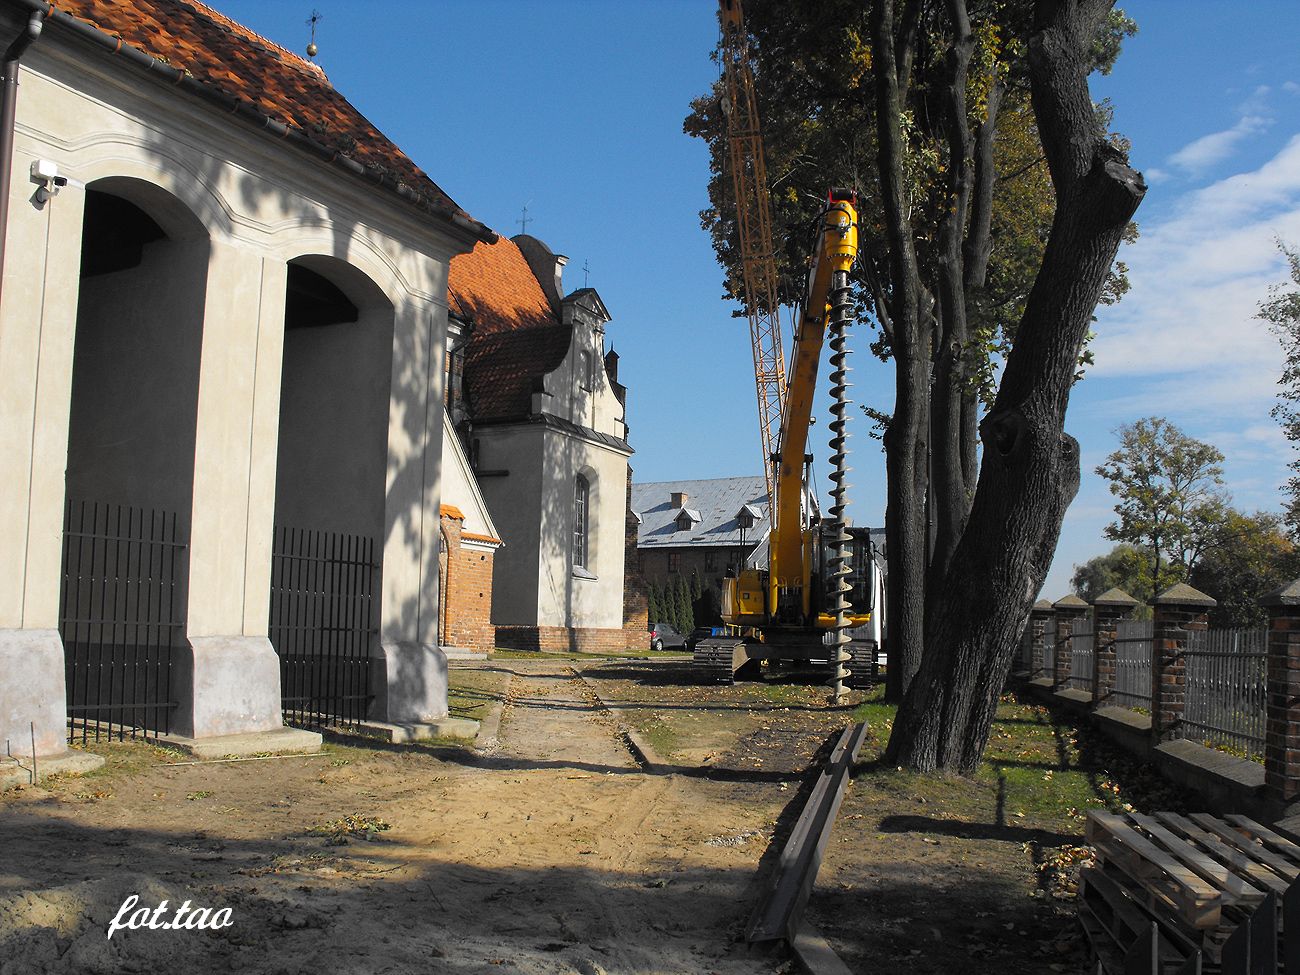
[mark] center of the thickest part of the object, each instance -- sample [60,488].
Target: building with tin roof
[703,527]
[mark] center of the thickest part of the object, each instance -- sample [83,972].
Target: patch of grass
[500,654]
[338,832]
[125,758]
[661,735]
[1043,771]
[201,794]
[471,692]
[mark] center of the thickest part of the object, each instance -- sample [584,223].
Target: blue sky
[574,109]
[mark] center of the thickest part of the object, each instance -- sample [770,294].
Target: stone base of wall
[572,639]
[33,697]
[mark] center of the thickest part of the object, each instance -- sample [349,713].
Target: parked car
[663,637]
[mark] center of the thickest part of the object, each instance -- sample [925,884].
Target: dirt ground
[545,847]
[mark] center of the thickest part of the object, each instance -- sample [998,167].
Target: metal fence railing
[323,591]
[1225,696]
[1133,665]
[121,616]
[1082,655]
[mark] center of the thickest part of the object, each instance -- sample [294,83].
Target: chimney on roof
[546,265]
[680,498]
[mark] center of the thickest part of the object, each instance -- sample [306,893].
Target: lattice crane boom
[754,221]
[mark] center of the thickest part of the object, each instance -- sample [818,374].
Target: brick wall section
[710,563]
[1178,611]
[1067,610]
[635,604]
[467,596]
[1282,731]
[569,639]
[1108,610]
[1041,629]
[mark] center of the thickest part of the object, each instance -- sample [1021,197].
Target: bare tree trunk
[905,533]
[905,440]
[1030,468]
[948,485]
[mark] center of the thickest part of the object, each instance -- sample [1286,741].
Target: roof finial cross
[524,221]
[585,271]
[312,21]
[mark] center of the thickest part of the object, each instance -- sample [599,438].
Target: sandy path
[549,718]
[553,855]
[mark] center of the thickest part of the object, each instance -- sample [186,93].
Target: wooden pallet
[1199,880]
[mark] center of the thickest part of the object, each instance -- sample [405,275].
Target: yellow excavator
[821,576]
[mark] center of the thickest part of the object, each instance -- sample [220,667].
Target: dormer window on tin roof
[687,519]
[747,517]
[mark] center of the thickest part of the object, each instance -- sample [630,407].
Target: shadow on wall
[380,486]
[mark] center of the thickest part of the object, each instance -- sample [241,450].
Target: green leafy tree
[929,111]
[683,617]
[1246,557]
[1123,567]
[655,602]
[1282,312]
[1169,487]
[903,100]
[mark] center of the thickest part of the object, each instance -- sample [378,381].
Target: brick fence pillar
[1067,609]
[1108,611]
[1282,731]
[1178,611]
[1041,629]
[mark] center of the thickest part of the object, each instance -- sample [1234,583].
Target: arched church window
[581,494]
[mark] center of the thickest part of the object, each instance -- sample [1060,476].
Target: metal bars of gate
[322,624]
[1133,664]
[122,611]
[1225,699]
[1082,654]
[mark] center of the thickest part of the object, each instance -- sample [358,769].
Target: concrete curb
[489,727]
[278,741]
[815,953]
[399,733]
[641,750]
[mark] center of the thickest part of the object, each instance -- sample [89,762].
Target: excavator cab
[860,566]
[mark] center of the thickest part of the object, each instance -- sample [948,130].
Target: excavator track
[717,659]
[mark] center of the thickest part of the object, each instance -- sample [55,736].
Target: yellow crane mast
[754,222]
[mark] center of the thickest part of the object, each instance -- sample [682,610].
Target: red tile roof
[227,57]
[517,338]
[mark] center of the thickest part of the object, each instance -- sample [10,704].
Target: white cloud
[1209,150]
[1291,86]
[1197,279]
[1256,102]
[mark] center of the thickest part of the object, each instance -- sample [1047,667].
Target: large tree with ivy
[993,203]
